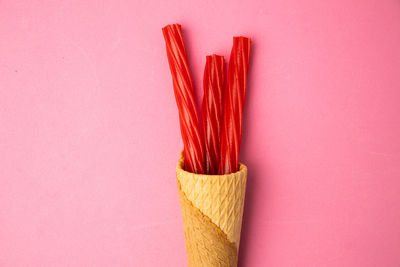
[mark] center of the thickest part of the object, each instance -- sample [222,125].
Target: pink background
[89,134]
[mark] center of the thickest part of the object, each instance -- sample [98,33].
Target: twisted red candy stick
[234,104]
[184,96]
[212,108]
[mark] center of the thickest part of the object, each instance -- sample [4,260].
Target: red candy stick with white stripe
[234,105]
[213,84]
[184,96]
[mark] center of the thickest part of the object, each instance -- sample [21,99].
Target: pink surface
[89,133]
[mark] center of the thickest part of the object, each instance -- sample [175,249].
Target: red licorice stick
[212,108]
[184,96]
[234,104]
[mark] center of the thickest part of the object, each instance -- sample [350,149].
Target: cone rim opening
[179,167]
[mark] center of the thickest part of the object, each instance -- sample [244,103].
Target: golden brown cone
[212,210]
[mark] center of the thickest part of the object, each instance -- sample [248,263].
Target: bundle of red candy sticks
[212,145]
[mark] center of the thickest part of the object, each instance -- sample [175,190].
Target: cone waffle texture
[212,211]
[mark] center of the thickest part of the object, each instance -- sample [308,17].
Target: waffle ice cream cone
[212,210]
